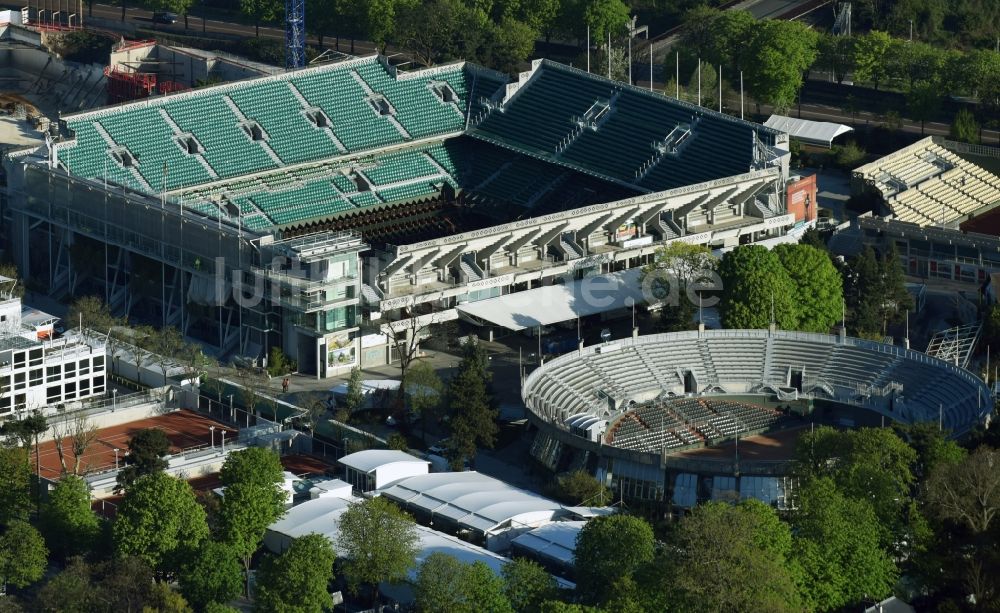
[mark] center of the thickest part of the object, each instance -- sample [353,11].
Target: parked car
[164,17]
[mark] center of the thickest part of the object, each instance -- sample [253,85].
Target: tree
[254,384]
[260,10]
[253,499]
[876,291]
[15,484]
[15,287]
[527,585]
[836,54]
[837,546]
[677,272]
[142,343]
[124,583]
[163,599]
[724,551]
[166,344]
[581,488]
[314,408]
[964,127]
[778,55]
[923,101]
[473,417]
[379,18]
[425,392]
[819,288]
[379,543]
[967,492]
[870,52]
[93,313]
[181,7]
[213,575]
[756,290]
[446,584]
[608,549]
[70,591]
[160,521]
[510,42]
[604,16]
[69,524]
[355,390]
[870,464]
[255,465]
[246,512]
[23,556]
[297,579]
[146,450]
[82,435]
[932,445]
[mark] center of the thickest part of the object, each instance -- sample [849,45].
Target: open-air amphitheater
[638,405]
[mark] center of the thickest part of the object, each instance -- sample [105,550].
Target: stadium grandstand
[644,408]
[460,184]
[926,184]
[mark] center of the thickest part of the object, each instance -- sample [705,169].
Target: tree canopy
[379,542]
[15,483]
[837,546]
[146,451]
[968,491]
[608,549]
[781,52]
[819,288]
[69,524]
[527,585]
[754,286]
[213,574]
[473,416]
[725,550]
[446,584]
[256,465]
[160,521]
[297,579]
[23,555]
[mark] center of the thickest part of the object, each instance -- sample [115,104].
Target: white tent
[322,516]
[487,507]
[555,542]
[819,133]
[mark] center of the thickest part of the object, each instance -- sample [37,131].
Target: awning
[555,303]
[812,132]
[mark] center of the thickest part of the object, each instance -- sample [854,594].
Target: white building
[39,372]
[373,469]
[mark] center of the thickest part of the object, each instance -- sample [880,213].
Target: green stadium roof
[319,143]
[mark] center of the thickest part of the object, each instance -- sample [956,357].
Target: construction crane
[295,34]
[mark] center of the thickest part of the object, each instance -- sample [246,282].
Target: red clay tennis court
[771,446]
[185,429]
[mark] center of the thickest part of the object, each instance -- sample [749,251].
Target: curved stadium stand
[641,393]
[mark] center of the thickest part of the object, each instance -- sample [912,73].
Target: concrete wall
[114,415]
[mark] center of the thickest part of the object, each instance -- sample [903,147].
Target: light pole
[232,411]
[116,458]
[223,445]
[211,433]
[114,400]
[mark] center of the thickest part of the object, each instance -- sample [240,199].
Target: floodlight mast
[295,34]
